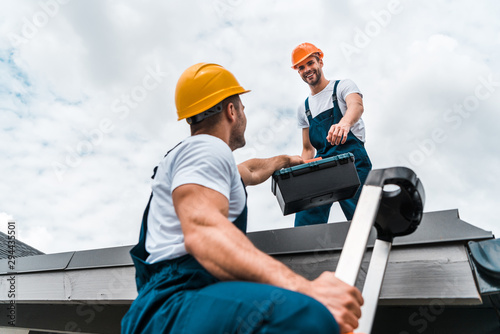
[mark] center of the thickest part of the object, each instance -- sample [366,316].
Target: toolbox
[315,183]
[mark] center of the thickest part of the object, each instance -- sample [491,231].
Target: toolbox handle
[314,167]
[311,160]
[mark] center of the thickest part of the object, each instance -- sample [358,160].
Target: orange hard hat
[301,52]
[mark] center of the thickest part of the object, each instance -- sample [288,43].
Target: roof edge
[436,227]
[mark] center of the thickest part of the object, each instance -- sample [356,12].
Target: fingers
[296,160]
[347,315]
[337,134]
[342,137]
[346,321]
[354,305]
[343,300]
[358,296]
[345,137]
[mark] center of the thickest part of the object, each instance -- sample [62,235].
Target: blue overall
[318,130]
[180,296]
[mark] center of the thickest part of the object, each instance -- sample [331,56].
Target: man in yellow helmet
[331,124]
[196,271]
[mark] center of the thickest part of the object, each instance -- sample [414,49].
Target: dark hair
[211,121]
[234,99]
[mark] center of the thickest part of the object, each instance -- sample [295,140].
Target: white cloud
[5,218]
[84,66]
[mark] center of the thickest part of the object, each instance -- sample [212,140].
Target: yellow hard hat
[203,86]
[301,52]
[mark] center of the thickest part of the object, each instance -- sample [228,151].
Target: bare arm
[308,150]
[256,171]
[219,246]
[227,254]
[338,132]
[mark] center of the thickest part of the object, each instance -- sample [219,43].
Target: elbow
[360,108]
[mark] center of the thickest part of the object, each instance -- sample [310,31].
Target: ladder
[392,200]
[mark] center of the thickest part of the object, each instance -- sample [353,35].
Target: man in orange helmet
[196,271]
[331,124]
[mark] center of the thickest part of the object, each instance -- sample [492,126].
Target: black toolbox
[315,183]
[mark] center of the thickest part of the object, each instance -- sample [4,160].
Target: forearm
[354,110]
[259,170]
[353,115]
[338,132]
[308,153]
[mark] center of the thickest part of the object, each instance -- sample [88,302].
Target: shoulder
[204,160]
[302,107]
[346,87]
[346,83]
[201,150]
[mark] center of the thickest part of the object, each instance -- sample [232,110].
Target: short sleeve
[208,164]
[302,121]
[346,87]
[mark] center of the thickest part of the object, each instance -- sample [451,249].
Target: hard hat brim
[195,108]
[295,66]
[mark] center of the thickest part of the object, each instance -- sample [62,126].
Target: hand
[295,160]
[341,299]
[338,132]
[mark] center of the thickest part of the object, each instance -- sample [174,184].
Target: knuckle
[351,290]
[350,304]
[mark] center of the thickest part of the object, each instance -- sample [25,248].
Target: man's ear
[230,112]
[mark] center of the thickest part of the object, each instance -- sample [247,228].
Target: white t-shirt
[323,101]
[200,159]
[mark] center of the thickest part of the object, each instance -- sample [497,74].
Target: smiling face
[311,70]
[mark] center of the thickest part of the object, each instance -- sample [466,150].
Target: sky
[87,101]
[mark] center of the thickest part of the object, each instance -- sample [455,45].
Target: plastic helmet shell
[202,86]
[301,52]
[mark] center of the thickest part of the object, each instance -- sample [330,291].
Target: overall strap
[308,111]
[334,100]
[241,220]
[156,168]
[336,112]
[141,252]
[334,95]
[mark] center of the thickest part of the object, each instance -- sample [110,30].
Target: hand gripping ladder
[396,211]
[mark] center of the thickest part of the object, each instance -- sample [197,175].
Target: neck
[319,86]
[218,131]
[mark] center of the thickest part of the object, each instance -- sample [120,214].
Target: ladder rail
[357,238]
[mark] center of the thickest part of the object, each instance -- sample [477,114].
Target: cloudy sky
[87,101]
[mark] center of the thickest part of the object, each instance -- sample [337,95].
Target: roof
[429,265]
[435,227]
[21,249]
